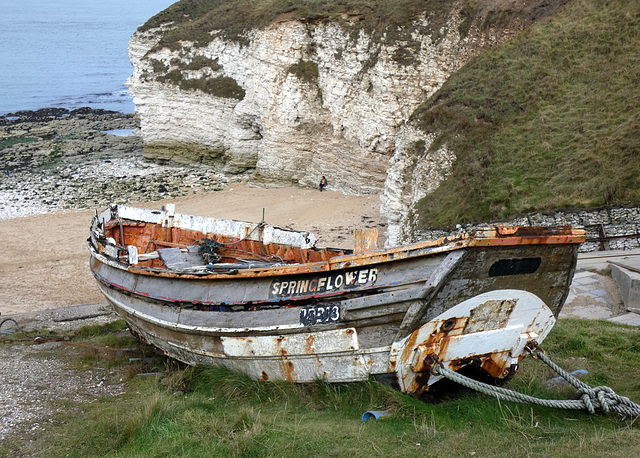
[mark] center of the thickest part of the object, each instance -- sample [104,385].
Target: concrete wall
[629,284]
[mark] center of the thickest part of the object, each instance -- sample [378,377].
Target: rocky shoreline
[55,159]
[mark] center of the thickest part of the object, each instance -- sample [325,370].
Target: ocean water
[68,53]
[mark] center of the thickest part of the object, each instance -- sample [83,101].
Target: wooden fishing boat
[267,302]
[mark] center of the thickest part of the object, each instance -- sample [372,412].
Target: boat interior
[175,248]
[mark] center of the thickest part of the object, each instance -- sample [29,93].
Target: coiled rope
[591,399]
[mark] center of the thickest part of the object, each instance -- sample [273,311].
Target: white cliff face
[342,117]
[188,126]
[415,172]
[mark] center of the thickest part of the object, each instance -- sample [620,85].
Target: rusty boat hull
[266,302]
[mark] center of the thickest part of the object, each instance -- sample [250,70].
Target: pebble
[28,380]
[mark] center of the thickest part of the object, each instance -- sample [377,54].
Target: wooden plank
[175,258]
[365,240]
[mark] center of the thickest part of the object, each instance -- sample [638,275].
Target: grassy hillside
[549,120]
[195,19]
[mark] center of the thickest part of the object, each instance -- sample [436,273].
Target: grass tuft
[7,142]
[194,20]
[305,70]
[219,86]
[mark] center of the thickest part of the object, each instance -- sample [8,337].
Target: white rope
[600,397]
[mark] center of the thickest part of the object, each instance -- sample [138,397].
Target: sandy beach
[45,257]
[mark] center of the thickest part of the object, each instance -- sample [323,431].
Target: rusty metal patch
[365,240]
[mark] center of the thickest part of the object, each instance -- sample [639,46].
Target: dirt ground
[44,258]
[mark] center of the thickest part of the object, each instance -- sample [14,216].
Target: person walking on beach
[323,183]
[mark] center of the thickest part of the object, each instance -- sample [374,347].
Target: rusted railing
[603,238]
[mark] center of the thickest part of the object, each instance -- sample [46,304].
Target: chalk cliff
[300,99]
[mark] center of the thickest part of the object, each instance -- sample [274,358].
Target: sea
[68,53]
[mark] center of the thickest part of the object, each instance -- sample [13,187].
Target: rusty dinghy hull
[267,302]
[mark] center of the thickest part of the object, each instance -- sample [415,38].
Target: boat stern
[488,331]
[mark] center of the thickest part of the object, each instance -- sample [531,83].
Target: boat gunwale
[336,263]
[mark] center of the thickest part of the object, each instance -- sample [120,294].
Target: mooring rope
[600,397]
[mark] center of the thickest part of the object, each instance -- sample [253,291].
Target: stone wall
[607,222]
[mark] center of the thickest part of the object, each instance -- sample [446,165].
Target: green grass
[547,121]
[216,412]
[7,142]
[305,70]
[194,19]
[220,86]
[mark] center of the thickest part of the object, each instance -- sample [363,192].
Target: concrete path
[595,294]
[599,260]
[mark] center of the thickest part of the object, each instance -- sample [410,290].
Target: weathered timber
[267,302]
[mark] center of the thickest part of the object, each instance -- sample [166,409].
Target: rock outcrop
[59,159]
[301,99]
[415,172]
